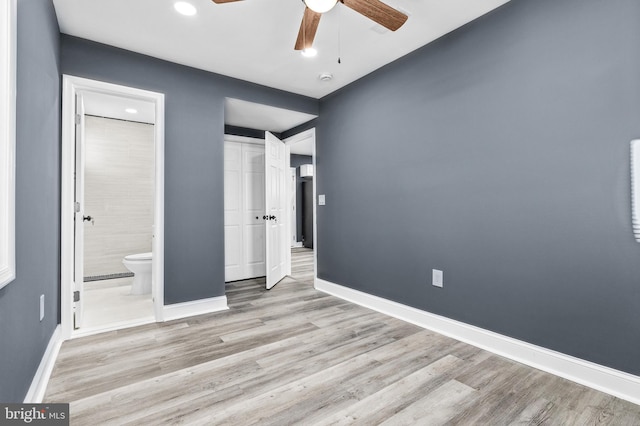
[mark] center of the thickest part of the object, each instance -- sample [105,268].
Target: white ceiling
[253,39]
[262,117]
[304,147]
[102,105]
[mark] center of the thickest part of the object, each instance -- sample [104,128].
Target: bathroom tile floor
[108,302]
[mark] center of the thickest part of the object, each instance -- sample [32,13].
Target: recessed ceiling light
[185,8]
[131,110]
[326,76]
[309,52]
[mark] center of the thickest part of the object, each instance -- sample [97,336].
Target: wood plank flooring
[292,355]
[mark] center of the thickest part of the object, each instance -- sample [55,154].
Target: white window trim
[8,20]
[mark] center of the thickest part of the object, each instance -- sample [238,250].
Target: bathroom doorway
[112,242]
[119,188]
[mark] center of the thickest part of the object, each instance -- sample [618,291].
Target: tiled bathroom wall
[119,193]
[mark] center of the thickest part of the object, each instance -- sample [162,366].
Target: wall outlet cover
[321,199]
[437,278]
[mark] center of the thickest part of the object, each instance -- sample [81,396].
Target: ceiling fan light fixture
[185,8]
[320,6]
[309,52]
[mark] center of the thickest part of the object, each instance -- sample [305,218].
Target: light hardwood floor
[293,355]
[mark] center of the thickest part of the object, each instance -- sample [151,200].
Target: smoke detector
[326,76]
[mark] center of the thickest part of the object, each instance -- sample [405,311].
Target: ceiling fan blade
[308,28]
[223,1]
[378,12]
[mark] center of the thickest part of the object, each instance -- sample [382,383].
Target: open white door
[79,218]
[276,209]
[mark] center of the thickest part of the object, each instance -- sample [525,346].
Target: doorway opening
[260,220]
[249,214]
[302,166]
[112,207]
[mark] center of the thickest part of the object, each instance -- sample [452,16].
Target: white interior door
[254,245]
[244,208]
[276,172]
[233,262]
[79,217]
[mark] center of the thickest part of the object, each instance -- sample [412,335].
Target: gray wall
[296,161]
[24,338]
[249,133]
[499,154]
[194,129]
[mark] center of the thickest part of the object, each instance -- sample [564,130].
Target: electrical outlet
[41,307]
[437,278]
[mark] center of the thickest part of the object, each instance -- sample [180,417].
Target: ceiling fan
[375,10]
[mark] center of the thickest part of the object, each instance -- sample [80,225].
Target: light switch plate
[437,278]
[41,307]
[321,200]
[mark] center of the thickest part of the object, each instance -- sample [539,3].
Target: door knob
[271,217]
[88,219]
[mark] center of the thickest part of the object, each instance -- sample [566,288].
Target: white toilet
[140,265]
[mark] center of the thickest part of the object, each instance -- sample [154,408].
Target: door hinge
[76,296]
[76,207]
[78,119]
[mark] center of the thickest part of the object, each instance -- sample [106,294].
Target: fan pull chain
[339,39]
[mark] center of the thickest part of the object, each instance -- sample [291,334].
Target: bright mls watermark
[34,414]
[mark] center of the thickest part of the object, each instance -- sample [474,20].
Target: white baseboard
[614,382]
[36,391]
[297,244]
[196,307]
[120,325]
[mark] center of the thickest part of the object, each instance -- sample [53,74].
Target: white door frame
[71,86]
[307,134]
[288,213]
[293,208]
[79,180]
